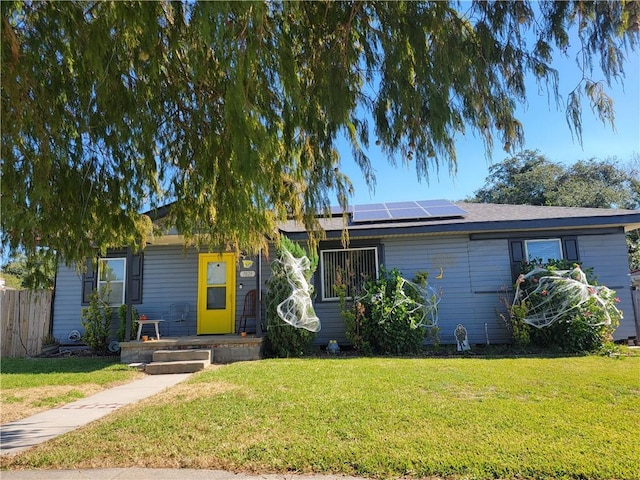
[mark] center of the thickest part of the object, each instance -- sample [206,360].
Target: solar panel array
[419,210]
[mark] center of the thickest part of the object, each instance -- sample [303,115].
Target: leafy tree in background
[34,272]
[530,178]
[232,110]
[525,178]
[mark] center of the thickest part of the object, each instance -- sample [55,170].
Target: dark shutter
[570,249]
[516,252]
[135,278]
[89,280]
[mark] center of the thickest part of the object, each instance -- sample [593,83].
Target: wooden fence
[24,321]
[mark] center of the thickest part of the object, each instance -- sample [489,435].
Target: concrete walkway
[23,434]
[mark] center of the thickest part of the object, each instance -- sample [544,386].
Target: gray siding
[492,289]
[67,308]
[466,297]
[475,282]
[451,257]
[607,254]
[170,277]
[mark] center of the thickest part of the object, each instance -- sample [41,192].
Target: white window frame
[323,293]
[543,240]
[102,284]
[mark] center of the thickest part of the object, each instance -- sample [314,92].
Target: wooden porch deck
[224,348]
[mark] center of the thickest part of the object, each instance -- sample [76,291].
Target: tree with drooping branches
[231,111]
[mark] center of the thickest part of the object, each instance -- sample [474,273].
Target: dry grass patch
[32,385]
[17,404]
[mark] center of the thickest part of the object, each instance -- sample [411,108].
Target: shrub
[122,328]
[386,320]
[353,315]
[582,325]
[283,339]
[96,320]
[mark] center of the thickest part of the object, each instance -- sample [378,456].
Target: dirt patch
[23,402]
[185,392]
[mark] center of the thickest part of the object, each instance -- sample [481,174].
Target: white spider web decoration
[297,309]
[427,308]
[560,292]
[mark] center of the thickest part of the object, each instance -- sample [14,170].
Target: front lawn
[379,417]
[31,385]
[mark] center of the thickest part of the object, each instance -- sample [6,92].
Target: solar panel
[370,215]
[395,205]
[446,211]
[433,203]
[415,212]
[421,210]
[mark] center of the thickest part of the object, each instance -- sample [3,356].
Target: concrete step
[187,366]
[181,355]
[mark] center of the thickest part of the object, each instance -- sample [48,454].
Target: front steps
[178,361]
[224,348]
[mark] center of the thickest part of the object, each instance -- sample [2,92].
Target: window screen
[351,267]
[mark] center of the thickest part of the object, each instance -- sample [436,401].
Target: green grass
[37,372]
[460,418]
[30,385]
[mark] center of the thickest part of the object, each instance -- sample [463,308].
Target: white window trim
[322,269]
[123,281]
[540,240]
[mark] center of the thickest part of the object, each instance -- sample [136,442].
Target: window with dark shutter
[135,279]
[516,253]
[111,271]
[544,248]
[89,280]
[570,249]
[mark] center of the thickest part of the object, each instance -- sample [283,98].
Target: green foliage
[34,272]
[96,320]
[353,315]
[122,326]
[379,322]
[11,281]
[284,340]
[520,331]
[247,101]
[532,179]
[578,330]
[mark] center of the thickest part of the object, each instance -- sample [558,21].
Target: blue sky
[545,128]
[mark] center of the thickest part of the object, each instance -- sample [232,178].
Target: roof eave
[476,227]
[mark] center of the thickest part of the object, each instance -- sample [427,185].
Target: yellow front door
[216,293]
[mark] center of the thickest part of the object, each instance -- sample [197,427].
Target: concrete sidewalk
[154,474]
[23,434]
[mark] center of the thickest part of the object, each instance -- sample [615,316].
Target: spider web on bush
[424,312]
[297,309]
[559,292]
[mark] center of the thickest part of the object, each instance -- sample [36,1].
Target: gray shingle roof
[485,217]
